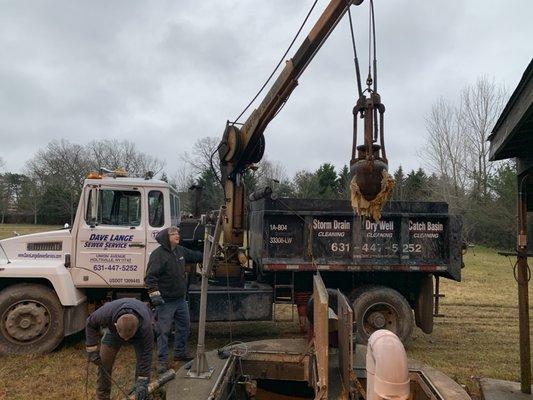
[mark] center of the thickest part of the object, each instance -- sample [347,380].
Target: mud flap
[424,305]
[75,318]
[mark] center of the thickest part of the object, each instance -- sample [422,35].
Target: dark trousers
[176,311]
[109,347]
[108,354]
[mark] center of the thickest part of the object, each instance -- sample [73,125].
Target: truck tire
[381,307]
[31,319]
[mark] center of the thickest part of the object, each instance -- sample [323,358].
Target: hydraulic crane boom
[241,147]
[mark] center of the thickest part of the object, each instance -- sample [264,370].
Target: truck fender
[57,275]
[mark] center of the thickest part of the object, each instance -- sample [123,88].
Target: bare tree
[183,177]
[61,168]
[445,152]
[269,171]
[204,156]
[61,159]
[115,154]
[481,104]
[456,147]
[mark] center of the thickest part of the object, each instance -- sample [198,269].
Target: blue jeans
[176,311]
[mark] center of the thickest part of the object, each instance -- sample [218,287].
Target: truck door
[163,211]
[158,218]
[111,242]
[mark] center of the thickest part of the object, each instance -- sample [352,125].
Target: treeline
[488,219]
[455,170]
[49,189]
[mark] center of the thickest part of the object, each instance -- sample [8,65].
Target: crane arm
[251,133]
[242,147]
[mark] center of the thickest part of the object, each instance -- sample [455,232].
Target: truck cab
[115,229]
[47,279]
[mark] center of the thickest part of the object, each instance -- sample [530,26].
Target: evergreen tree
[343,183]
[327,181]
[399,183]
[416,186]
[306,185]
[212,194]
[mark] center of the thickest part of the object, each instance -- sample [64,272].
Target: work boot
[184,357]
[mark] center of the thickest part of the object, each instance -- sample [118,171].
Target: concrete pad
[495,389]
[183,387]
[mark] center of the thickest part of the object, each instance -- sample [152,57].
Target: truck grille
[45,246]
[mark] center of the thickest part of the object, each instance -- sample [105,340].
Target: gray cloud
[164,74]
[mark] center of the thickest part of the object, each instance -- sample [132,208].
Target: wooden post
[321,340]
[523,298]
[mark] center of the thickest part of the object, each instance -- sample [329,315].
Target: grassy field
[8,230]
[478,337]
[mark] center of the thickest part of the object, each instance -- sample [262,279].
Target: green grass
[478,337]
[8,230]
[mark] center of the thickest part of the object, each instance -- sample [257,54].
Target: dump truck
[388,266]
[48,279]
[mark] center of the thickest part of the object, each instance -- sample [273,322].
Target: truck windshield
[117,207]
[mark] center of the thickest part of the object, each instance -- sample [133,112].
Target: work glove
[93,355]
[141,388]
[156,299]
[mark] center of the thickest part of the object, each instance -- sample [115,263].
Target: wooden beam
[320,326]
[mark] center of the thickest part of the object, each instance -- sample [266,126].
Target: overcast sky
[166,73]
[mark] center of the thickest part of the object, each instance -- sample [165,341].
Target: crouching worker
[167,286]
[124,321]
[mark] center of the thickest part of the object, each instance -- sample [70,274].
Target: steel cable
[120,388]
[277,66]
[355,59]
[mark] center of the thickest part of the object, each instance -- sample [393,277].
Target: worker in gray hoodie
[167,287]
[123,321]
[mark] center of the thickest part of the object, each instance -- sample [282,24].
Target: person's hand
[93,355]
[156,299]
[141,388]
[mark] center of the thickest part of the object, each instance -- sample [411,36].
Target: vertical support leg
[200,368]
[523,297]
[523,317]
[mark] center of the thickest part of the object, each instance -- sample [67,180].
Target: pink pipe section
[387,375]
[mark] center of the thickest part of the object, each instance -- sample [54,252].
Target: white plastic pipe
[387,375]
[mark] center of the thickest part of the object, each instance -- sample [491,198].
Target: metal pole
[200,368]
[200,365]
[523,298]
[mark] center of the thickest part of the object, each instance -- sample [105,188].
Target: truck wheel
[31,319]
[382,308]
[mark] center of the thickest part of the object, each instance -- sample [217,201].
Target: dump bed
[311,234]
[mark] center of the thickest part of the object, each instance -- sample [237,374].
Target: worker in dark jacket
[167,287]
[124,321]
